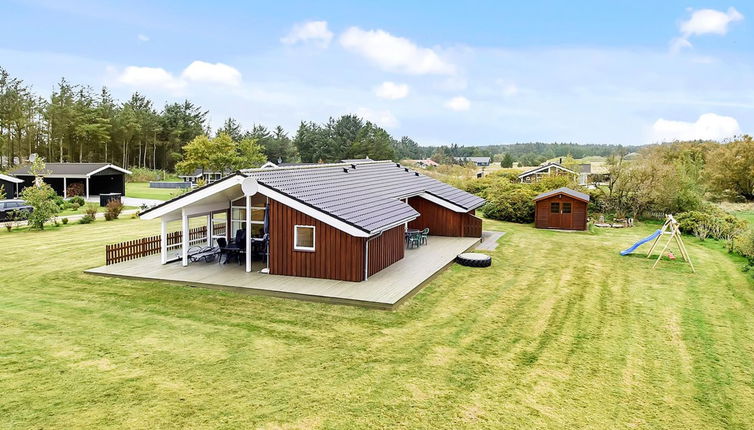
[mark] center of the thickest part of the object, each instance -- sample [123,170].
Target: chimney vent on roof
[353,166]
[345,170]
[397,164]
[416,173]
[406,169]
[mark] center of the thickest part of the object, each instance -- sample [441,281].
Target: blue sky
[472,73]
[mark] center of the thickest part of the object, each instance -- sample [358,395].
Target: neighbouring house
[271,165]
[593,174]
[426,163]
[534,175]
[342,221]
[207,176]
[95,178]
[479,161]
[10,185]
[563,209]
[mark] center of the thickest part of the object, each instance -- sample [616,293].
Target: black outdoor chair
[222,243]
[259,246]
[237,247]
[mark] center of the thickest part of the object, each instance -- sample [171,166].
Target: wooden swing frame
[671,227]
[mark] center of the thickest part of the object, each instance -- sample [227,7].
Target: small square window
[566,208]
[554,208]
[303,238]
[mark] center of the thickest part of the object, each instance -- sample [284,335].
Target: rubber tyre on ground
[473,259]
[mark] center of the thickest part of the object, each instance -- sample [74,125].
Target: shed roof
[563,190]
[367,197]
[73,170]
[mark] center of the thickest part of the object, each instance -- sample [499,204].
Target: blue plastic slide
[640,243]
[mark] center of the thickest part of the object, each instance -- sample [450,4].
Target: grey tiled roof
[367,197]
[564,190]
[63,169]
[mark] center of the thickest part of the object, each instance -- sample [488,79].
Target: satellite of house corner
[376,215]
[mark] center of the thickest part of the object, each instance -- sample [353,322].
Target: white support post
[65,188]
[248,233]
[164,241]
[209,229]
[185,238]
[87,188]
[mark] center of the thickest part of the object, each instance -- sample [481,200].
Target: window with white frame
[303,238]
[238,215]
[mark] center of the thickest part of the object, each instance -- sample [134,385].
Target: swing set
[670,228]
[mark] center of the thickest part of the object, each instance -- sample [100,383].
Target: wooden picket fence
[130,249]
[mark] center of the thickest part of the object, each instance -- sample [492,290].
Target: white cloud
[218,73]
[391,90]
[678,44]
[458,103]
[708,126]
[142,37]
[382,118]
[709,21]
[704,21]
[311,31]
[396,54]
[196,72]
[153,77]
[509,89]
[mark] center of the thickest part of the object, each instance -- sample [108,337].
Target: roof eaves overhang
[110,166]
[434,198]
[192,196]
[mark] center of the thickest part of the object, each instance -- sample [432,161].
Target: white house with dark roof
[343,221]
[479,161]
[208,176]
[548,169]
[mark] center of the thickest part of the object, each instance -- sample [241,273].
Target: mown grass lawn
[141,190]
[561,332]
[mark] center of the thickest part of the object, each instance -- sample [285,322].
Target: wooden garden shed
[563,209]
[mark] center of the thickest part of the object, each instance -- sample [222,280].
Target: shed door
[553,220]
[566,214]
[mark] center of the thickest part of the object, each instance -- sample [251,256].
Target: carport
[96,178]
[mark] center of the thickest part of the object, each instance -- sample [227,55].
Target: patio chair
[414,240]
[259,245]
[222,243]
[206,254]
[240,239]
[425,236]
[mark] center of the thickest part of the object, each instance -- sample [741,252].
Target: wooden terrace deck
[385,290]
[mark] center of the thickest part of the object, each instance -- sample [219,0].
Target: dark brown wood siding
[442,221]
[337,255]
[386,249]
[549,213]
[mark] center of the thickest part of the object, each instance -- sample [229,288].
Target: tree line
[78,124]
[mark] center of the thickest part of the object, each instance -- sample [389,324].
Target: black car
[7,208]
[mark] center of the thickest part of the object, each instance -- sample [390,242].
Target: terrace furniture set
[416,238]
